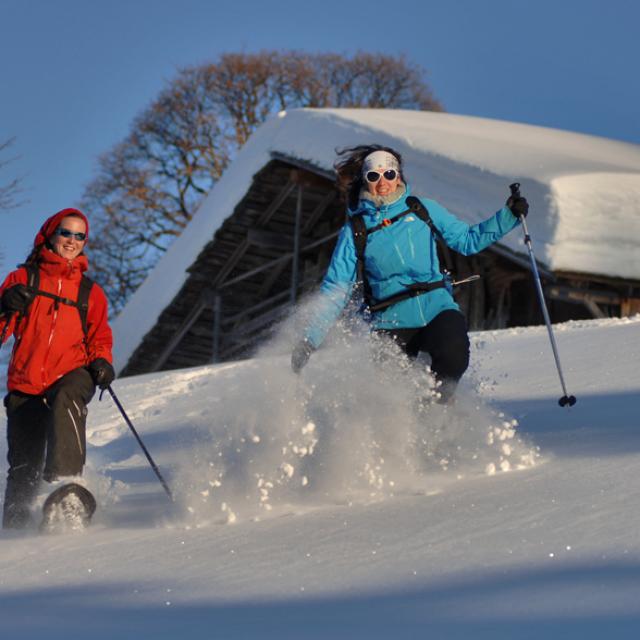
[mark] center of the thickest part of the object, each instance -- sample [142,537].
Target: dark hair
[349,169]
[34,256]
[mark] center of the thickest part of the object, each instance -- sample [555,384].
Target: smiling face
[69,247]
[381,173]
[383,186]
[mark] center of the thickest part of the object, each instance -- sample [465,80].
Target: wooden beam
[189,321]
[255,308]
[316,214]
[245,244]
[579,296]
[283,258]
[259,321]
[217,326]
[272,240]
[295,266]
[596,311]
[586,297]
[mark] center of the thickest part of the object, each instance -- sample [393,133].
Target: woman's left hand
[102,373]
[518,206]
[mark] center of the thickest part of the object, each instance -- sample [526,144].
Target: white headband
[380,161]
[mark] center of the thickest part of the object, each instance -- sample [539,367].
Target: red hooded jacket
[50,342]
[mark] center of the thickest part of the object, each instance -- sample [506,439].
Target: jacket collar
[387,206]
[54,265]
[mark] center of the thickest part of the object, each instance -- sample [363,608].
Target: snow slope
[372,523]
[584,190]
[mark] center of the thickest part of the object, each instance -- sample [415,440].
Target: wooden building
[274,248]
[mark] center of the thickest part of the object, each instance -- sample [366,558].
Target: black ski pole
[3,335]
[566,399]
[154,466]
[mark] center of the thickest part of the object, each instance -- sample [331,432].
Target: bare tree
[9,191]
[12,188]
[149,185]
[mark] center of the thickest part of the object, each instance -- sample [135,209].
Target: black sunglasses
[374,176]
[67,233]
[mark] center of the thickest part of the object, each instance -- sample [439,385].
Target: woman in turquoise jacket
[389,243]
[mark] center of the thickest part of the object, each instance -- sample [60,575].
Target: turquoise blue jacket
[397,256]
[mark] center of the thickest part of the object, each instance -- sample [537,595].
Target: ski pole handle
[515,193]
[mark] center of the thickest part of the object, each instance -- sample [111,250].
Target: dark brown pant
[46,438]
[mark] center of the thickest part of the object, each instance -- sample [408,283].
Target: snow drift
[447,550]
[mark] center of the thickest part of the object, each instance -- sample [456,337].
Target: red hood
[52,223]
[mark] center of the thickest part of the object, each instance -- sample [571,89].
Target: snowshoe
[68,508]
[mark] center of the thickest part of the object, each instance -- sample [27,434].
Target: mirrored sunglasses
[67,233]
[374,176]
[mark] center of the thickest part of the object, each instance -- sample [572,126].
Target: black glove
[16,299]
[102,373]
[301,354]
[518,205]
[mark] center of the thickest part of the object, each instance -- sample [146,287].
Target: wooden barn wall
[255,234]
[228,277]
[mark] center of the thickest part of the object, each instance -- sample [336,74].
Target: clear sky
[74,73]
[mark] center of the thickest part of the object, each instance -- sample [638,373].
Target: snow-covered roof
[584,190]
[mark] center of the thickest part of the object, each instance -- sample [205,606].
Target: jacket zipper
[53,328]
[380,215]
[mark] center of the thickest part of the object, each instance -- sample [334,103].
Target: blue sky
[74,74]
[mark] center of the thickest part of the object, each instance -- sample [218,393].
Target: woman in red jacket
[62,350]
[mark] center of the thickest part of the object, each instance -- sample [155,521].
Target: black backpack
[82,303]
[360,235]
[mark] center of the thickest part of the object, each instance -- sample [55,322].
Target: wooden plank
[272,240]
[295,264]
[244,245]
[185,326]
[177,337]
[581,296]
[316,214]
[283,258]
[308,227]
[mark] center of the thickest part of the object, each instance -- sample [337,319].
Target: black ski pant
[46,437]
[446,340]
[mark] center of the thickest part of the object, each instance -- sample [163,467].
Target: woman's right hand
[16,299]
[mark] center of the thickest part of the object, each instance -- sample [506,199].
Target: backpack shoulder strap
[84,292]
[423,213]
[360,233]
[33,275]
[359,229]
